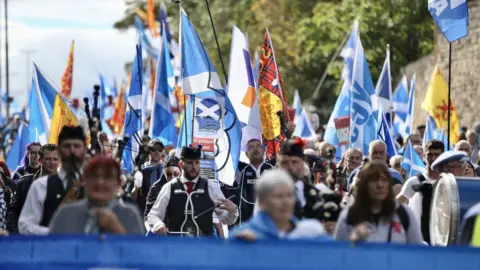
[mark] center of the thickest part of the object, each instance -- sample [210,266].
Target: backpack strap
[403,216]
[421,177]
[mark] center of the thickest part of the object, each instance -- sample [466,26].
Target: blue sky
[49,26]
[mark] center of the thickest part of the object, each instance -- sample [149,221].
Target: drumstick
[211,208]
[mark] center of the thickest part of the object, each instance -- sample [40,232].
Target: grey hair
[395,158]
[470,132]
[373,143]
[461,142]
[270,180]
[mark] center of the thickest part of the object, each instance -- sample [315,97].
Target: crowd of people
[302,193]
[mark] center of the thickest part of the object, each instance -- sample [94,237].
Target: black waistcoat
[175,215]
[312,195]
[55,194]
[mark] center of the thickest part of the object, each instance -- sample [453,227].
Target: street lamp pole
[7,81]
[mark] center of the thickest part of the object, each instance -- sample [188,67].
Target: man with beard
[170,213]
[32,163]
[48,165]
[244,186]
[48,192]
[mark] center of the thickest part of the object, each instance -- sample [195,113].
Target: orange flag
[68,74]
[152,74]
[151,17]
[118,118]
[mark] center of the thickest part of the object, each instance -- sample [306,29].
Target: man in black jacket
[49,162]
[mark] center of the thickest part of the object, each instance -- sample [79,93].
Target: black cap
[71,133]
[189,152]
[293,148]
[172,161]
[154,142]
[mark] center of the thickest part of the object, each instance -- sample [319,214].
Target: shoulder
[412,181]
[267,166]
[128,209]
[242,166]
[40,182]
[72,207]
[25,179]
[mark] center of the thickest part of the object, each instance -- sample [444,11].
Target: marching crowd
[303,193]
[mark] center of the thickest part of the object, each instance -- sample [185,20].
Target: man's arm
[225,216]
[407,191]
[32,211]
[157,214]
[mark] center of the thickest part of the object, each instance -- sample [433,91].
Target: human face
[378,153]
[292,164]
[191,168]
[468,171]
[279,203]
[101,185]
[172,172]
[415,139]
[72,153]
[465,147]
[50,161]
[255,152]
[472,139]
[431,155]
[378,188]
[156,153]
[353,160]
[33,156]
[456,167]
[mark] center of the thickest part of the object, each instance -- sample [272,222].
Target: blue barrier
[114,252]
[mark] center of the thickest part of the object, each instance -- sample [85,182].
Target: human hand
[330,226]
[226,205]
[359,233]
[107,220]
[3,232]
[291,127]
[247,235]
[161,231]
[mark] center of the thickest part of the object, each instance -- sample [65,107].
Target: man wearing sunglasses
[32,164]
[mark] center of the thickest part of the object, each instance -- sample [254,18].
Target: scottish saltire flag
[451,16]
[383,133]
[162,122]
[383,91]
[163,20]
[19,147]
[304,128]
[297,105]
[411,107]
[257,68]
[342,105]
[412,163]
[146,44]
[431,131]
[363,125]
[133,118]
[106,109]
[146,91]
[198,72]
[400,107]
[241,91]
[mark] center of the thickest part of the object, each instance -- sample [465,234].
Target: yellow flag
[475,242]
[62,116]
[436,105]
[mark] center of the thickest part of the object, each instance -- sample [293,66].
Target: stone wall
[465,71]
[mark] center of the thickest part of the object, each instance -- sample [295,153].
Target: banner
[208,119]
[342,127]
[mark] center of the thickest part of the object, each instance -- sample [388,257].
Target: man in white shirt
[48,192]
[171,214]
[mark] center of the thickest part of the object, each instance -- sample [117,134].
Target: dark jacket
[153,194]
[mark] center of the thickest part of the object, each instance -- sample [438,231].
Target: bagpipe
[94,122]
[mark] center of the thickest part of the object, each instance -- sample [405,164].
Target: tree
[306,34]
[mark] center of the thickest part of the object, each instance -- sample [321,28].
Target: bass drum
[452,197]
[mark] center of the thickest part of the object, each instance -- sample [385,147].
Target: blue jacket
[264,228]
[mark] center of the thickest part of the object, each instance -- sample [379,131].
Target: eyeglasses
[156,149]
[33,153]
[174,174]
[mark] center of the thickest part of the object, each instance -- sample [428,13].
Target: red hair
[100,161]
[6,171]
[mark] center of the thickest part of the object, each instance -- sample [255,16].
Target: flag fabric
[383,133]
[342,105]
[304,128]
[362,119]
[383,91]
[118,118]
[411,107]
[297,105]
[431,131]
[198,73]
[400,107]
[162,122]
[104,102]
[436,105]
[62,116]
[68,74]
[151,17]
[451,16]
[163,20]
[241,90]
[257,68]
[146,44]
[133,127]
[412,163]
[271,98]
[152,74]
[19,147]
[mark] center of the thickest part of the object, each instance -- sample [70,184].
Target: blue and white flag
[431,131]
[383,91]
[162,122]
[383,133]
[146,44]
[363,127]
[19,147]
[412,163]
[400,107]
[198,73]
[451,16]
[304,128]
[297,105]
[133,117]
[411,107]
[342,105]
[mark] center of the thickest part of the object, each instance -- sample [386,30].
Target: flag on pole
[146,44]
[68,74]
[62,116]
[383,91]
[436,105]
[451,16]
[198,73]
[412,163]
[162,122]
[241,90]
[383,133]
[400,107]
[304,128]
[19,147]
[363,125]
[118,118]
[411,107]
[163,20]
[151,18]
[297,105]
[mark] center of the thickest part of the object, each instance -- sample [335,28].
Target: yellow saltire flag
[68,74]
[62,116]
[436,105]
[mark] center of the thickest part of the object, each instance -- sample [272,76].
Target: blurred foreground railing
[112,252]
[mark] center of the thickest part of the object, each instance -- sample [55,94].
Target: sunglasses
[156,149]
[169,174]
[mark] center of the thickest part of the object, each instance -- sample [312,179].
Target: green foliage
[307,33]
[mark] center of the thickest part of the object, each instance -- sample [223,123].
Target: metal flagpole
[449,90]
[7,80]
[218,45]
